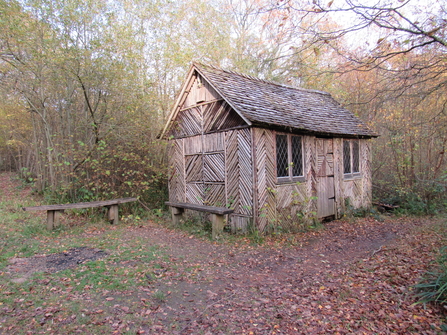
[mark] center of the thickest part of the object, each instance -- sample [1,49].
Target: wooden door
[325,178]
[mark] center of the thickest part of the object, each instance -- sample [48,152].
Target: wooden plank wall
[365,161]
[291,202]
[176,179]
[338,177]
[310,148]
[199,91]
[358,189]
[211,164]
[212,161]
[239,171]
[264,156]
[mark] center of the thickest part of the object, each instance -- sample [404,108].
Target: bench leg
[177,214]
[50,220]
[53,219]
[218,225]
[113,214]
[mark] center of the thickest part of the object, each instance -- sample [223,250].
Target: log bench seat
[54,211]
[217,214]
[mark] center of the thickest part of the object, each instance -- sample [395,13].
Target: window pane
[297,156]
[355,156]
[346,157]
[281,156]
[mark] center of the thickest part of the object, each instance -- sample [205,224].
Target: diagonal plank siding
[188,122]
[338,177]
[222,157]
[264,148]
[310,174]
[176,180]
[357,190]
[239,172]
[365,162]
[220,115]
[245,171]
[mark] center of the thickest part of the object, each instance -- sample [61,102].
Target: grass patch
[83,299]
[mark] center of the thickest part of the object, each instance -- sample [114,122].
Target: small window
[351,158]
[289,157]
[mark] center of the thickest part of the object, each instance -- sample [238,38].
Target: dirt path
[282,289]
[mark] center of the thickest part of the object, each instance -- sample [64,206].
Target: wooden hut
[273,153]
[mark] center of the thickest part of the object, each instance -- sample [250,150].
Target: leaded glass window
[289,157]
[281,156]
[351,158]
[355,157]
[346,157]
[297,156]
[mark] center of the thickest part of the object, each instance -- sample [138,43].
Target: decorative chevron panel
[291,194]
[239,176]
[245,171]
[219,115]
[214,167]
[266,177]
[365,161]
[214,194]
[176,180]
[311,178]
[195,193]
[338,177]
[232,172]
[188,122]
[194,168]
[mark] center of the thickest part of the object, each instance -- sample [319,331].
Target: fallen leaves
[349,278]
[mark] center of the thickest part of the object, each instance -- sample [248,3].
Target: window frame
[290,177]
[352,174]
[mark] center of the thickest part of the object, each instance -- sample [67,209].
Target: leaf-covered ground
[351,277]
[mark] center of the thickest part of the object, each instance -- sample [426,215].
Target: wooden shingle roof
[268,104]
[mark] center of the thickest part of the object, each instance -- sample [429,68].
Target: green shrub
[433,287]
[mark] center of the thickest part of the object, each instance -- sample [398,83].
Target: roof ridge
[270,82]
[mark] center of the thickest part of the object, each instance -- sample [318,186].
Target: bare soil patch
[22,268]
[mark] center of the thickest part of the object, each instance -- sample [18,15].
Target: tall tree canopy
[86,85]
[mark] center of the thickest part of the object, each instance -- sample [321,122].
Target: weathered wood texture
[357,190]
[204,118]
[338,177]
[292,202]
[80,205]
[177,186]
[199,91]
[365,161]
[223,157]
[325,177]
[264,148]
[311,179]
[54,211]
[217,214]
[201,208]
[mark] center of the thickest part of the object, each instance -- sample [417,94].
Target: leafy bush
[113,170]
[433,287]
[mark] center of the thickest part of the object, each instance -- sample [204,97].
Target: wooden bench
[54,211]
[217,214]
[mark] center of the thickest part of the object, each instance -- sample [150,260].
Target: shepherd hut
[276,155]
